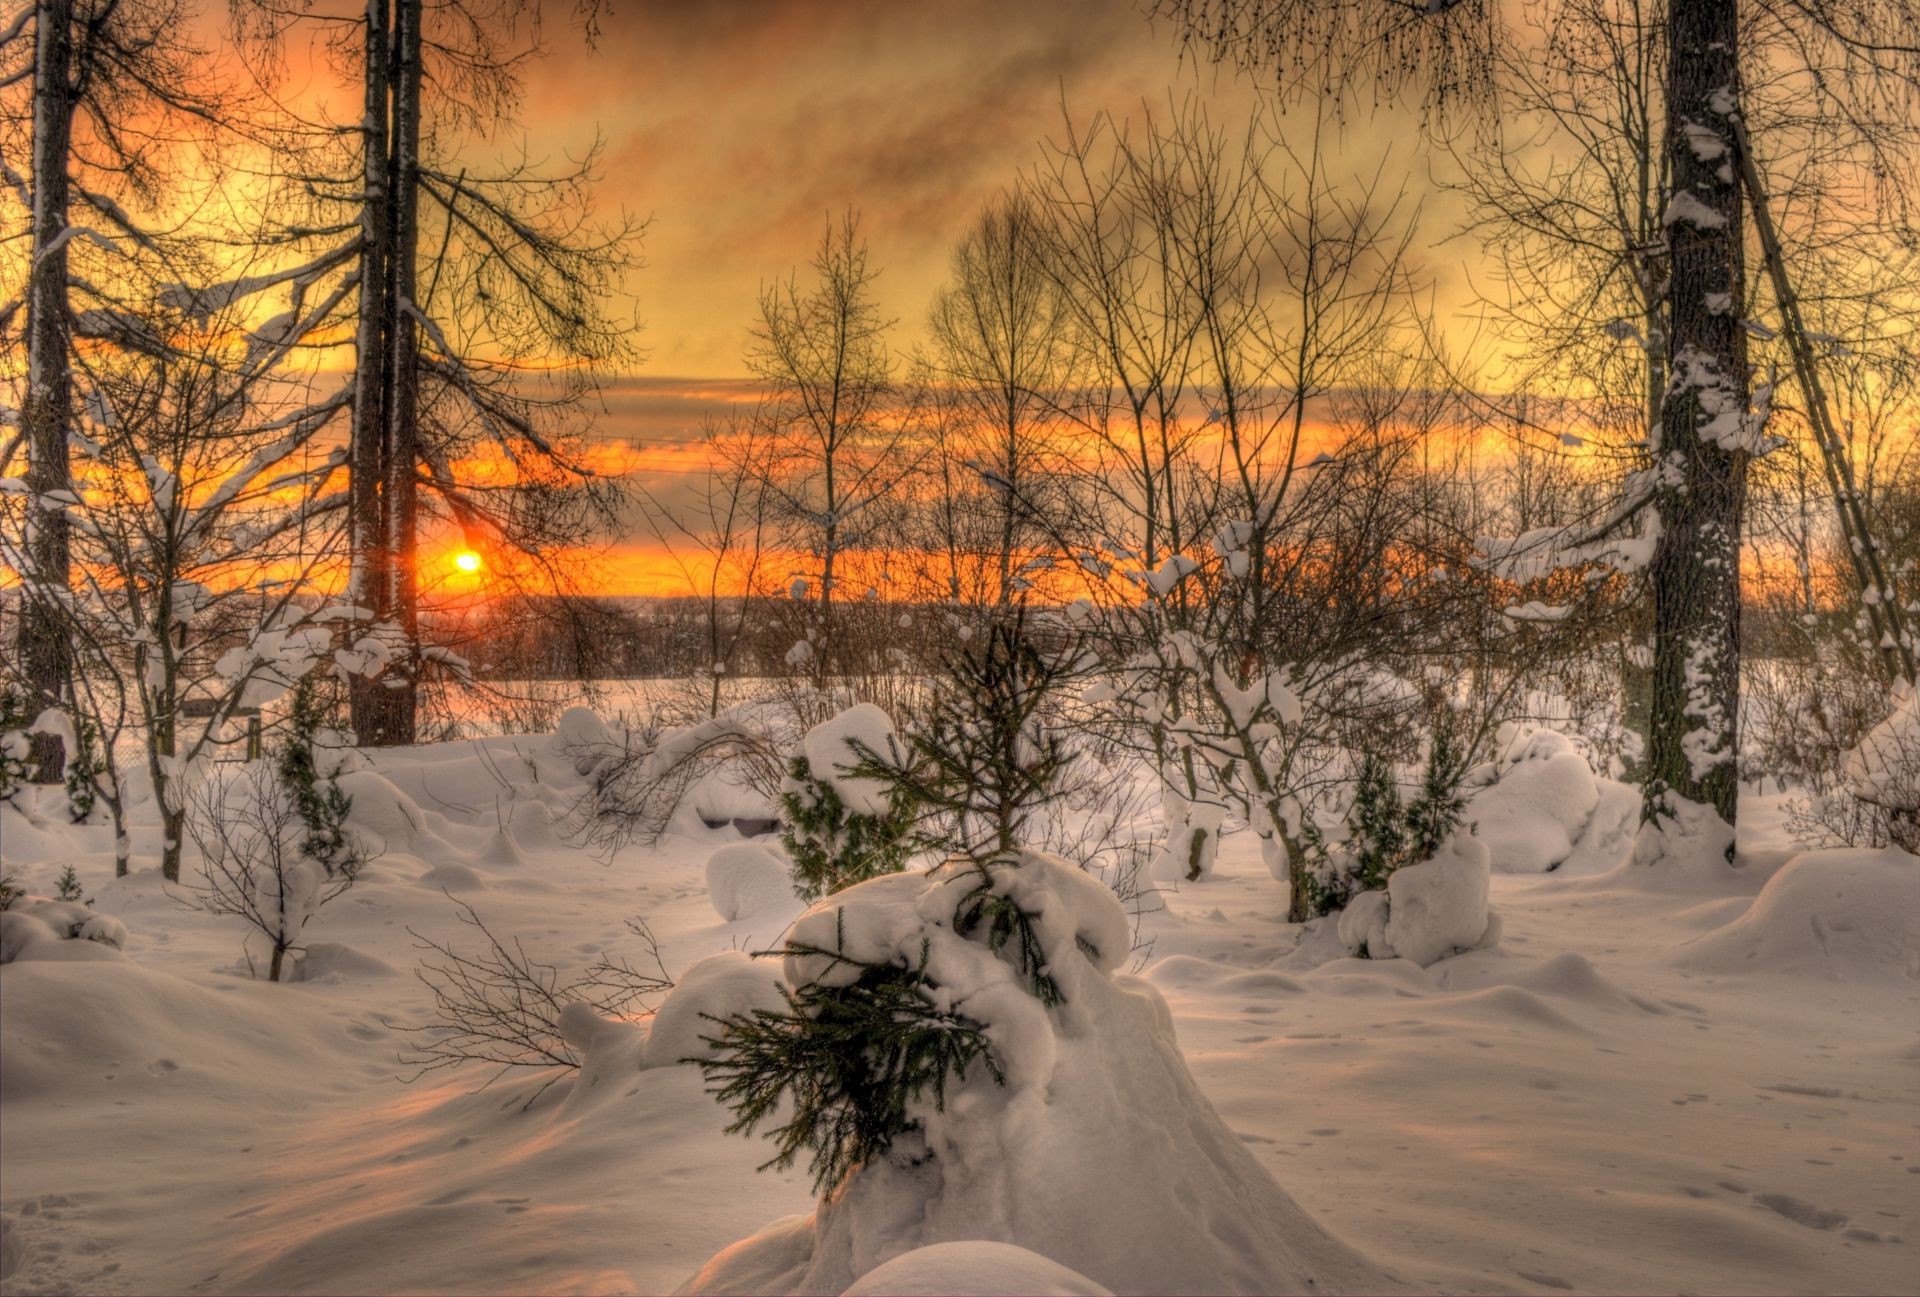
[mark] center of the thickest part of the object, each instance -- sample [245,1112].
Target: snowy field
[1699,1079]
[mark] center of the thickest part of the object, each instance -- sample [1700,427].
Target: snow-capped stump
[719,986]
[1845,915]
[1427,911]
[745,879]
[37,928]
[1083,1087]
[1538,803]
[976,1267]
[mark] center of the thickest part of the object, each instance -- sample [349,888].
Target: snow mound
[1846,915]
[1100,1151]
[745,879]
[1573,977]
[584,740]
[831,752]
[67,930]
[978,1267]
[1539,802]
[330,962]
[386,818]
[1428,911]
[719,986]
[1885,769]
[452,876]
[1686,854]
[71,1030]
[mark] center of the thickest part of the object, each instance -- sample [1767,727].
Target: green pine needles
[1384,834]
[985,759]
[833,847]
[84,769]
[322,804]
[852,1059]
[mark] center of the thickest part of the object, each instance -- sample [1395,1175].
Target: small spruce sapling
[69,887]
[322,805]
[84,769]
[833,846]
[845,1061]
[1383,834]
[1436,812]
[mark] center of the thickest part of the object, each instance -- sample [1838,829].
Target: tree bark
[403,392]
[367,538]
[45,655]
[1701,453]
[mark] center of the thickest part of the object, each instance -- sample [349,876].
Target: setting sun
[467,561]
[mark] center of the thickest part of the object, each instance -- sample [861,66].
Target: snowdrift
[1100,1153]
[1537,803]
[1846,915]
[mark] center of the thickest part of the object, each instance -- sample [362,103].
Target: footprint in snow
[1801,1212]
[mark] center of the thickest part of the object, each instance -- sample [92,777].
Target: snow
[1841,916]
[1685,208]
[1662,1077]
[1428,911]
[834,747]
[719,986]
[1885,768]
[983,1268]
[1535,804]
[745,880]
[1095,1089]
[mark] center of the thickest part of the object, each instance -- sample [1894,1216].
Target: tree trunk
[367,536]
[403,392]
[1702,450]
[45,655]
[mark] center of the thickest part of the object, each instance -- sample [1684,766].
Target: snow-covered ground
[1655,1081]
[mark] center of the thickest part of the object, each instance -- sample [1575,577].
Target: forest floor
[1648,1085]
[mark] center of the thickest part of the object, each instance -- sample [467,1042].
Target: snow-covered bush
[959,1061]
[1883,773]
[1531,805]
[639,774]
[501,1006]
[845,822]
[16,750]
[322,805]
[38,928]
[1428,910]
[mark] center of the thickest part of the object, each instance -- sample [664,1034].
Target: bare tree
[248,829]
[830,426]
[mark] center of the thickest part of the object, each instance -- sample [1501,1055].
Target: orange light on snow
[467,561]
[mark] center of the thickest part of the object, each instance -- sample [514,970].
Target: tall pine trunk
[385,514]
[45,655]
[1701,455]
[367,536]
[403,392]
